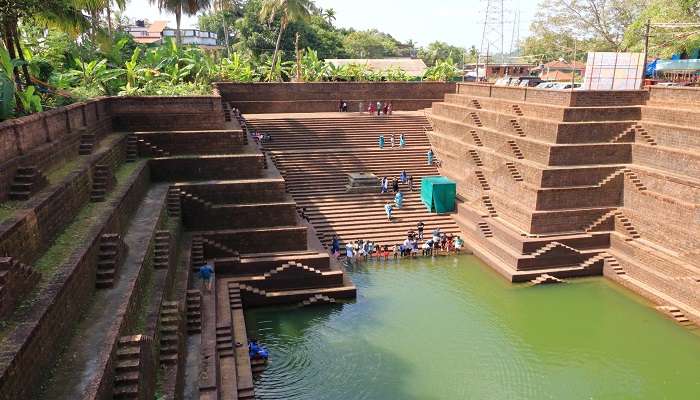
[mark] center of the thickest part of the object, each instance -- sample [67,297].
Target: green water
[450,328]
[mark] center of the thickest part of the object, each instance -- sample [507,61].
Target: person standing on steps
[410,182]
[379,108]
[388,209]
[395,185]
[403,176]
[398,199]
[389,109]
[385,185]
[392,140]
[381,142]
[386,108]
[420,226]
[205,272]
[335,247]
[430,156]
[402,141]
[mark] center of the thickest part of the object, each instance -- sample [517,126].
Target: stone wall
[33,345]
[570,98]
[155,113]
[47,139]
[255,98]
[32,230]
[194,142]
[239,166]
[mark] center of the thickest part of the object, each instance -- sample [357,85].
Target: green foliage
[440,51]
[664,43]
[312,68]
[443,70]
[30,100]
[370,44]
[237,68]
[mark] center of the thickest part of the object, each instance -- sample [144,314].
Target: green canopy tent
[438,194]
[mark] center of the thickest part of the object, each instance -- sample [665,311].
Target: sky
[458,22]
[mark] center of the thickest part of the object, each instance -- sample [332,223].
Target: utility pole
[573,67]
[646,52]
[296,45]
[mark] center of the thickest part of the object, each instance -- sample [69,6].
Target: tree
[288,11]
[329,15]
[58,13]
[601,23]
[370,44]
[665,42]
[440,51]
[227,9]
[177,7]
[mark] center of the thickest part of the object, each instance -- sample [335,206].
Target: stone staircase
[161,255]
[194,312]
[645,135]
[476,119]
[545,279]
[197,253]
[516,149]
[517,110]
[625,135]
[132,148]
[131,362]
[514,171]
[476,138]
[27,181]
[485,229]
[148,149]
[482,180]
[174,206]
[475,156]
[224,341]
[170,321]
[317,300]
[103,181]
[677,315]
[337,145]
[111,253]
[87,143]
[517,128]
[313,132]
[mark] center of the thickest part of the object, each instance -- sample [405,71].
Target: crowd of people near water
[415,245]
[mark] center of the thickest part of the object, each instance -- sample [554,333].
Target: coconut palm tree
[289,11]
[227,6]
[177,7]
[329,15]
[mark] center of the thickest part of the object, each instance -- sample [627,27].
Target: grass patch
[65,243]
[8,209]
[56,175]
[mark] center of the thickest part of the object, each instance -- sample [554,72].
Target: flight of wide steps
[315,154]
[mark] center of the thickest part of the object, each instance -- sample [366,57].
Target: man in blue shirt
[205,272]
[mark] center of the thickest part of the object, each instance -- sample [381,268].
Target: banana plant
[8,89]
[237,68]
[312,68]
[131,69]
[443,70]
[280,71]
[31,101]
[396,74]
[96,73]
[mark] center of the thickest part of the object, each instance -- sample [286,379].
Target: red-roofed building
[560,70]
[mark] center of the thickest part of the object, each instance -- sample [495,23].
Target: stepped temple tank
[120,204]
